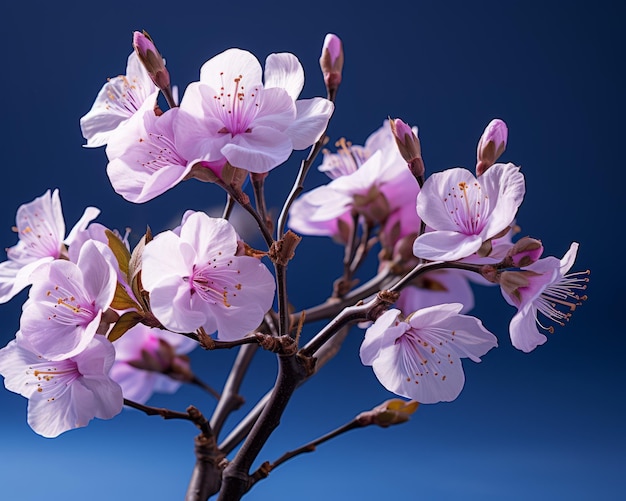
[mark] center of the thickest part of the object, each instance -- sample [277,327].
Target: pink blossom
[118,100]
[465,212]
[41,231]
[543,287]
[419,357]
[372,181]
[66,393]
[147,361]
[66,302]
[231,116]
[144,162]
[195,279]
[97,232]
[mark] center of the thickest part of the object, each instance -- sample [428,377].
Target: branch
[192,414]
[264,470]
[236,480]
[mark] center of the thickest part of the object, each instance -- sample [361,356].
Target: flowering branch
[105,327]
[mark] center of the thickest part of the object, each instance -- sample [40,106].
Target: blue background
[545,425]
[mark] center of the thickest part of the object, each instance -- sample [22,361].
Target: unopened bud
[512,281]
[152,60]
[155,358]
[524,252]
[331,62]
[409,146]
[394,411]
[491,145]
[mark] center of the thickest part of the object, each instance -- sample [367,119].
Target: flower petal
[285,71]
[311,121]
[446,245]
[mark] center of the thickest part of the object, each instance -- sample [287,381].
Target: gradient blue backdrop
[547,425]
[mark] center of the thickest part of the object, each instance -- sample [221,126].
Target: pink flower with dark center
[372,181]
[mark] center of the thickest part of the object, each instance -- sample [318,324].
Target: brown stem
[349,315]
[333,306]
[323,355]
[264,470]
[206,477]
[192,414]
[258,184]
[215,344]
[169,97]
[157,411]
[236,478]
[242,199]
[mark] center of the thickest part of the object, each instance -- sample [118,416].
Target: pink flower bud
[524,252]
[491,145]
[152,60]
[331,62]
[512,281]
[409,146]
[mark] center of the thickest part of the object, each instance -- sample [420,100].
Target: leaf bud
[390,412]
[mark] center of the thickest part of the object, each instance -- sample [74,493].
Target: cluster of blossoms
[106,325]
[83,295]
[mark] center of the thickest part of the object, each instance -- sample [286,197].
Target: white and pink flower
[419,357]
[372,181]
[66,303]
[118,100]
[195,279]
[543,287]
[66,393]
[464,212]
[41,231]
[231,116]
[144,161]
